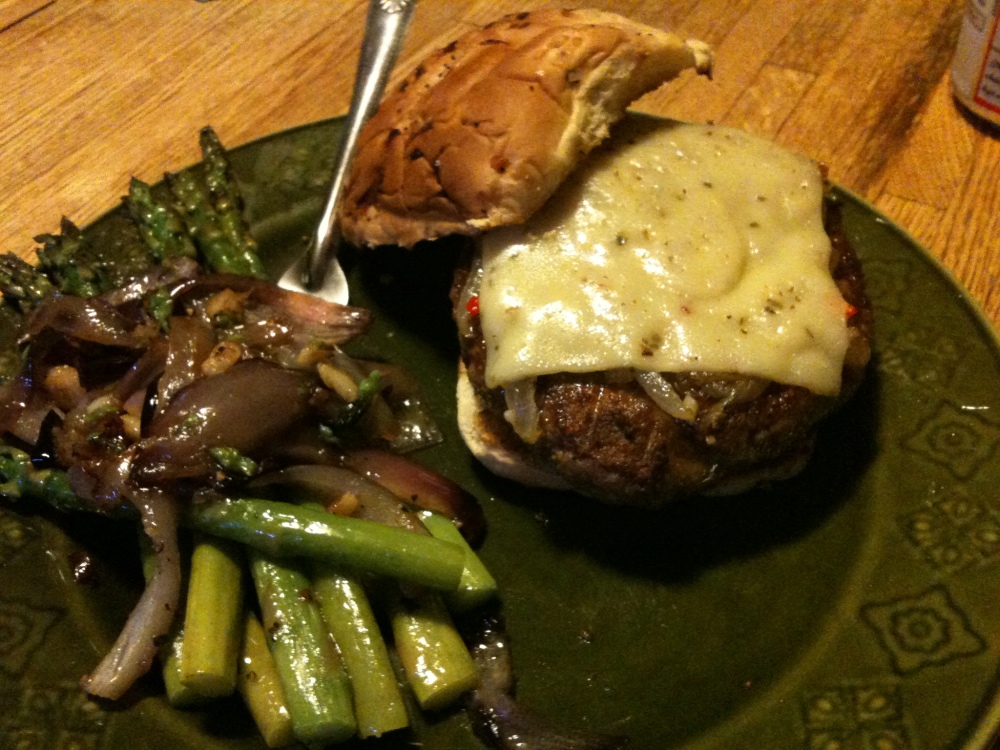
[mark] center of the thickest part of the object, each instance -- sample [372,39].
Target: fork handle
[384,29]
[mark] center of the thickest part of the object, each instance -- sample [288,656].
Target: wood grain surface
[95,91]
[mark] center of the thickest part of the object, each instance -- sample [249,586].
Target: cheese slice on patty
[676,247]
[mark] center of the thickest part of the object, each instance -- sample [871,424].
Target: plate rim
[987,729]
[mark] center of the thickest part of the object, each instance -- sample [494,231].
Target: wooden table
[95,91]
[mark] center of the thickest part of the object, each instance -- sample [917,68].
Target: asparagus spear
[160,224]
[171,656]
[20,479]
[225,193]
[260,686]
[285,530]
[477,585]
[234,463]
[62,256]
[378,703]
[220,253]
[214,622]
[316,686]
[171,651]
[274,527]
[438,666]
[22,284]
[215,250]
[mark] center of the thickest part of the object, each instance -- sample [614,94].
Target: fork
[317,271]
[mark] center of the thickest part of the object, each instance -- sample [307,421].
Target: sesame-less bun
[482,133]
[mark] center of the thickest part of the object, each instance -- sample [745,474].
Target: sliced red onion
[24,405]
[188,344]
[306,447]
[170,273]
[499,720]
[422,487]
[341,321]
[28,425]
[248,407]
[93,320]
[15,395]
[664,395]
[143,373]
[134,650]
[112,489]
[327,484]
[522,411]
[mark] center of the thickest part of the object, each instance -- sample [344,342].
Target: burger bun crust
[484,131]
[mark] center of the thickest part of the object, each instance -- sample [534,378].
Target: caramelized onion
[424,488]
[729,391]
[247,408]
[15,395]
[143,373]
[341,322]
[25,404]
[327,484]
[499,719]
[93,320]
[664,395]
[28,425]
[522,411]
[150,621]
[188,344]
[172,272]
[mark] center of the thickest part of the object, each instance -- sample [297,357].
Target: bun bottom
[488,450]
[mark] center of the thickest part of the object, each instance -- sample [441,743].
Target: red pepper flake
[851,311]
[472,306]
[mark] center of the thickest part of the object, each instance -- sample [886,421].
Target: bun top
[481,133]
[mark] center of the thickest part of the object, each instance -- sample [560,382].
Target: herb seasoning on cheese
[677,247]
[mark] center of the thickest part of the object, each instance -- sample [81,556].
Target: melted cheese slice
[680,248]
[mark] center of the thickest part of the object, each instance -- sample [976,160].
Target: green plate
[855,607]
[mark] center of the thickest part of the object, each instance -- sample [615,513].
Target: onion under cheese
[677,247]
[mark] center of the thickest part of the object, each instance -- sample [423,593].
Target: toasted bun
[482,133]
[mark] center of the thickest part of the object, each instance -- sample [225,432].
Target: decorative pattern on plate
[887,282]
[22,631]
[57,717]
[924,356]
[855,717]
[954,532]
[959,440]
[15,534]
[923,630]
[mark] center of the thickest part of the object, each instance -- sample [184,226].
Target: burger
[651,310]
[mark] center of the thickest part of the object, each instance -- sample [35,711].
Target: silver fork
[317,271]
